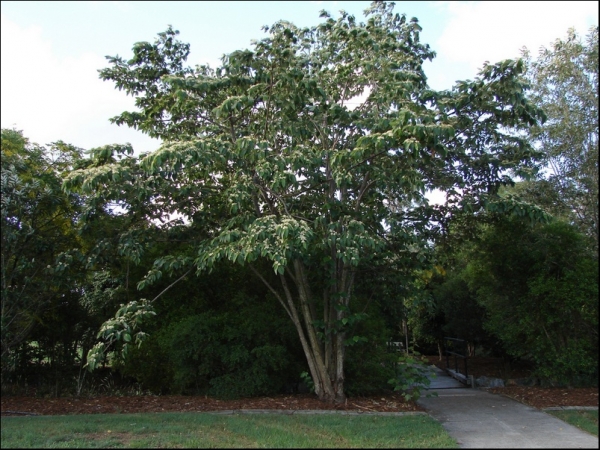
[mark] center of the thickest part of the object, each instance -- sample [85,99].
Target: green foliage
[220,354]
[564,80]
[210,353]
[123,330]
[412,376]
[213,336]
[370,364]
[149,365]
[39,274]
[305,377]
[539,287]
[269,160]
[457,312]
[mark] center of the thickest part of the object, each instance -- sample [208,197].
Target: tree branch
[272,289]
[171,285]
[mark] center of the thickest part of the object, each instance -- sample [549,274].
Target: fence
[458,349]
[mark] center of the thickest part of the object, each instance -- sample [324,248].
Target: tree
[539,288]
[37,233]
[273,157]
[564,80]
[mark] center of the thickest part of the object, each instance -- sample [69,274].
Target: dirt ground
[535,396]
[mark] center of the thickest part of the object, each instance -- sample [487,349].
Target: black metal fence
[457,348]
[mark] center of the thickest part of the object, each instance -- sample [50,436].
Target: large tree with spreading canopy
[311,153]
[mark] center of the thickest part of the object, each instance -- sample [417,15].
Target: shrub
[244,349]
[539,286]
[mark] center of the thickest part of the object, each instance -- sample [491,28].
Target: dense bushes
[239,346]
[539,287]
[231,340]
[228,354]
[370,364]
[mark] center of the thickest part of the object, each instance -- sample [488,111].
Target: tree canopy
[37,233]
[312,152]
[564,80]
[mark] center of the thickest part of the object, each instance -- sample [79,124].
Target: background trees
[38,231]
[535,286]
[564,80]
[63,268]
[539,288]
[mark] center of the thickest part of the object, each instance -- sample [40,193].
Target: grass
[204,430]
[584,419]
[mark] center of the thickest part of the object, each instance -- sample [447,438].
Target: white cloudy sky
[51,51]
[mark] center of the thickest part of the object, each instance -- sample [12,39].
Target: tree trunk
[340,395]
[471,349]
[316,366]
[328,358]
[325,357]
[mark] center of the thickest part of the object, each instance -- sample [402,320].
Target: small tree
[313,151]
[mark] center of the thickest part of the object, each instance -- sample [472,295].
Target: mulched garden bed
[535,396]
[178,403]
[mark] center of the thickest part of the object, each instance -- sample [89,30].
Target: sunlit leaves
[123,329]
[267,237]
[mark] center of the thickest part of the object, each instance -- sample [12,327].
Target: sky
[52,51]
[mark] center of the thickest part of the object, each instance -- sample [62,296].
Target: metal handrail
[448,343]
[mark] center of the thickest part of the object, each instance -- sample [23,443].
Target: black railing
[458,349]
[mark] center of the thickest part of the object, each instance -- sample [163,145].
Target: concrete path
[478,419]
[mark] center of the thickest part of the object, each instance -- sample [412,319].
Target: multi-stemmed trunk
[325,355]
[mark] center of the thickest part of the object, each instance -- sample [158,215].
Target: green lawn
[213,430]
[585,419]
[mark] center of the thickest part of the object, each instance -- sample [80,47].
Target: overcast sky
[51,51]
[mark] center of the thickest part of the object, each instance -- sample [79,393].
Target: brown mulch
[535,396]
[541,397]
[178,403]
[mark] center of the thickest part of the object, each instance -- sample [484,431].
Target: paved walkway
[478,419]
